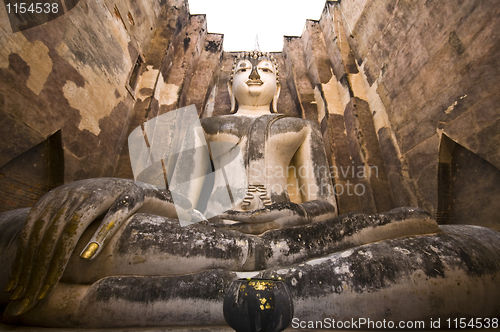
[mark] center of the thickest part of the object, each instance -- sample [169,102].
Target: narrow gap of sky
[241,21]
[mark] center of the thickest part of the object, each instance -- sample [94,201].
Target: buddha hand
[56,222]
[274,216]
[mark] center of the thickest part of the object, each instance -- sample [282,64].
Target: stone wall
[429,69]
[69,75]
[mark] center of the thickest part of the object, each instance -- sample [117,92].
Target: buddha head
[254,83]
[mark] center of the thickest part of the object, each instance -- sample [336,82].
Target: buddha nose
[254,75]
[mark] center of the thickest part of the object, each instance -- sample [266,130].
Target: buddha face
[254,82]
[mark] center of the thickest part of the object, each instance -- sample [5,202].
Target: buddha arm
[315,184]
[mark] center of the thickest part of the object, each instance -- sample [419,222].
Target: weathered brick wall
[70,74]
[25,180]
[173,19]
[435,67]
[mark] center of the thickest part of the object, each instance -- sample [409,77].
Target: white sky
[240,21]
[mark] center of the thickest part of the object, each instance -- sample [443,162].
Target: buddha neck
[246,110]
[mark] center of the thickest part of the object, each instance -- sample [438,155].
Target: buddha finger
[284,212]
[256,216]
[254,229]
[289,221]
[160,202]
[70,237]
[124,206]
[27,253]
[24,238]
[239,216]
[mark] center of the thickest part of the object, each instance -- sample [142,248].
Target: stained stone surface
[421,270]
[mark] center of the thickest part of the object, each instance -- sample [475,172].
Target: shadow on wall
[468,187]
[30,175]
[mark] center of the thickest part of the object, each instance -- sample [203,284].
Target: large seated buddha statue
[109,252]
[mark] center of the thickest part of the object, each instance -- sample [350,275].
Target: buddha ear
[231,96]
[274,104]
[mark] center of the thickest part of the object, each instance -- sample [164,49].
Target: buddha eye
[266,70]
[242,70]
